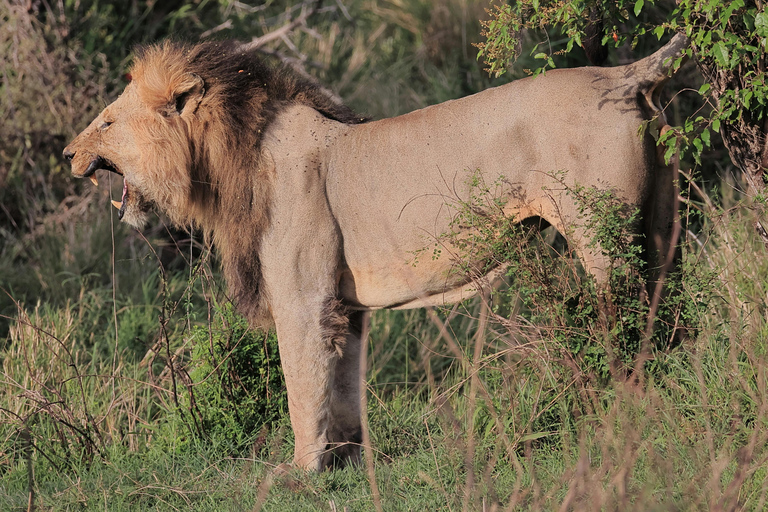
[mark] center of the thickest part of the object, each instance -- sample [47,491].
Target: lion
[316,212]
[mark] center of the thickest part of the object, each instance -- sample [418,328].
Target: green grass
[518,428]
[685,442]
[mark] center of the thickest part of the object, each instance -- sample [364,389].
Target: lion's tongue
[119,204]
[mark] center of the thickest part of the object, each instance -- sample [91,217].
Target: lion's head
[144,137]
[185,135]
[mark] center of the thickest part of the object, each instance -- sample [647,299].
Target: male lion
[317,214]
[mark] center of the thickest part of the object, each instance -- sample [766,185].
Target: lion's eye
[105,125]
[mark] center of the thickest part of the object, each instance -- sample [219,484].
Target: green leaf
[721,54]
[735,4]
[761,24]
[704,89]
[716,125]
[749,19]
[746,97]
[541,55]
[669,153]
[658,31]
[639,6]
[705,137]
[534,436]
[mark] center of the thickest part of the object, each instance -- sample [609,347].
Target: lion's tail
[651,73]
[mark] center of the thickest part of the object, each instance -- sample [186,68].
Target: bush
[601,332]
[238,390]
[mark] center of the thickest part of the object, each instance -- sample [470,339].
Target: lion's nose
[68,154]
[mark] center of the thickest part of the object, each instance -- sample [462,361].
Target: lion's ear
[186,97]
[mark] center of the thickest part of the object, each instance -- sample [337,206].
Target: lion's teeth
[94,181]
[117,204]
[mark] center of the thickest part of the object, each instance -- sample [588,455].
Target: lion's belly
[404,286]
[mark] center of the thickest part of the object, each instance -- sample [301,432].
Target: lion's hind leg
[344,429]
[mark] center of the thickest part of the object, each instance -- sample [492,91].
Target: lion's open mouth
[99,163]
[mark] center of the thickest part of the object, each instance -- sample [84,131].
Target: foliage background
[126,382]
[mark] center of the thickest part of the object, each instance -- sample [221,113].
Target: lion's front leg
[321,358]
[309,365]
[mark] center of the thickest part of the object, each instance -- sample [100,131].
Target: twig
[344,10]
[306,12]
[30,472]
[218,28]
[474,383]
[364,420]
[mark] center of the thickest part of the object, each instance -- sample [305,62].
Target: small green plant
[601,329]
[237,389]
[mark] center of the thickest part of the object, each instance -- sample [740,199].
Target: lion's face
[144,136]
[110,143]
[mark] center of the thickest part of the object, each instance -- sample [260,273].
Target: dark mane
[240,76]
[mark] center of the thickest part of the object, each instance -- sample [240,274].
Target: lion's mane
[218,180]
